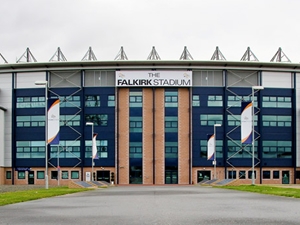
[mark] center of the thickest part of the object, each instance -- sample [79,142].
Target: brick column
[123,144]
[147,136]
[159,136]
[183,136]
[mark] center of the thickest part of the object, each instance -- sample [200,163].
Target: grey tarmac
[156,205]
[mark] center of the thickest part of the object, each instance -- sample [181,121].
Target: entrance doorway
[171,175]
[203,175]
[103,175]
[30,177]
[286,177]
[135,175]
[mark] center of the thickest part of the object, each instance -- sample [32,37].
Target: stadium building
[152,119]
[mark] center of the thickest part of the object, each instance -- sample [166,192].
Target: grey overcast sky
[137,25]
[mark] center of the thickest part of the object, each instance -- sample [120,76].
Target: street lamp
[45,83]
[92,124]
[253,136]
[215,151]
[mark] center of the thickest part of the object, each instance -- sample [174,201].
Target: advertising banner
[246,123]
[53,121]
[210,147]
[153,78]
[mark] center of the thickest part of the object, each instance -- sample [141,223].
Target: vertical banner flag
[94,147]
[246,123]
[210,147]
[53,121]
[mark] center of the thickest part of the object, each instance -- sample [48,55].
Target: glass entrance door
[203,175]
[171,175]
[103,175]
[30,177]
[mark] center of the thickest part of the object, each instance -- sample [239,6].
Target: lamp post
[253,136]
[92,124]
[215,151]
[45,83]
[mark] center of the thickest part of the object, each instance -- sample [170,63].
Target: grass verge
[28,195]
[270,190]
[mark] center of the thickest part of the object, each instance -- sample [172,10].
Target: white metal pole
[92,153]
[58,168]
[215,154]
[46,135]
[253,131]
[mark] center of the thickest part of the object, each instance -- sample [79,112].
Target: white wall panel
[297,119]
[276,80]
[27,80]
[6,102]
[2,140]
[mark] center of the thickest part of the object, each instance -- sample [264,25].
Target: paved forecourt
[156,205]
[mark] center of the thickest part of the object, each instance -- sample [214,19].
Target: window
[21,175]
[215,100]
[276,121]
[297,174]
[70,101]
[196,100]
[31,102]
[234,120]
[135,99]
[30,121]
[98,120]
[171,149]
[277,102]
[54,175]
[277,149]
[64,174]
[40,175]
[74,174]
[111,101]
[69,120]
[92,101]
[30,149]
[250,174]
[266,174]
[135,124]
[171,124]
[236,101]
[275,174]
[236,150]
[8,175]
[171,99]
[67,149]
[210,119]
[242,174]
[102,146]
[231,174]
[136,150]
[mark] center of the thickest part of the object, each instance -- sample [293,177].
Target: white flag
[94,147]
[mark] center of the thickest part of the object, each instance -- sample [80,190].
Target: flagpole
[92,124]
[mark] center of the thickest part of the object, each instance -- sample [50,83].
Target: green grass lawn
[270,190]
[28,195]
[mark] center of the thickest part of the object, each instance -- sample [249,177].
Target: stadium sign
[153,78]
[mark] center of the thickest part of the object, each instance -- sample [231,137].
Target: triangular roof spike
[27,55]
[217,55]
[58,56]
[3,59]
[121,55]
[186,55]
[89,55]
[153,55]
[249,56]
[280,57]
